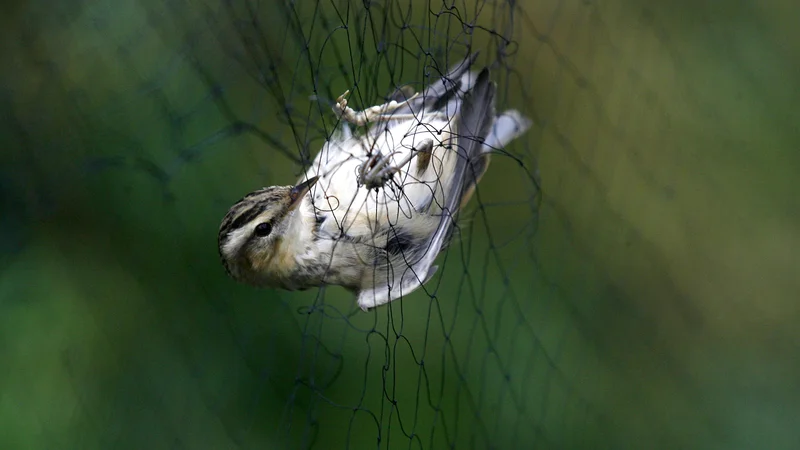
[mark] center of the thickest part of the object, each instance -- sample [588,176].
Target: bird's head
[255,236]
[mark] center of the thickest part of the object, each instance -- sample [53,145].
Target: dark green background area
[645,298]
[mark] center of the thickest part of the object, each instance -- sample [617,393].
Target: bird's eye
[263,229]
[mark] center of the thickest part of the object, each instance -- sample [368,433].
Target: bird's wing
[506,127]
[445,94]
[398,275]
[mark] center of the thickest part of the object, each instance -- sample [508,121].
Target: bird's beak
[296,193]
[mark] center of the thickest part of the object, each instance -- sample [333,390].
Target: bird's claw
[371,114]
[376,171]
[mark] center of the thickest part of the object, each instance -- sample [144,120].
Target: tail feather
[507,126]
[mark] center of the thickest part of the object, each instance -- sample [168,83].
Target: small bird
[374,209]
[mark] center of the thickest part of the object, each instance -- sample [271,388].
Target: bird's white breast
[355,210]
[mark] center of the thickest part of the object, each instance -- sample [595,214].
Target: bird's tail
[507,126]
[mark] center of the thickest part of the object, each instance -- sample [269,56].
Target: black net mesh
[131,127]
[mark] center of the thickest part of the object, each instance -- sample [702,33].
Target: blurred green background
[646,297]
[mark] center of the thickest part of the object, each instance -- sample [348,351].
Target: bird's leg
[361,118]
[367,166]
[376,171]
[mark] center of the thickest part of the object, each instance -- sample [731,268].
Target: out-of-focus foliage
[658,280]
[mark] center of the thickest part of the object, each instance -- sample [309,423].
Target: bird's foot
[371,114]
[378,169]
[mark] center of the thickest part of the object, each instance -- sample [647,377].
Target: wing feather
[445,94]
[398,275]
